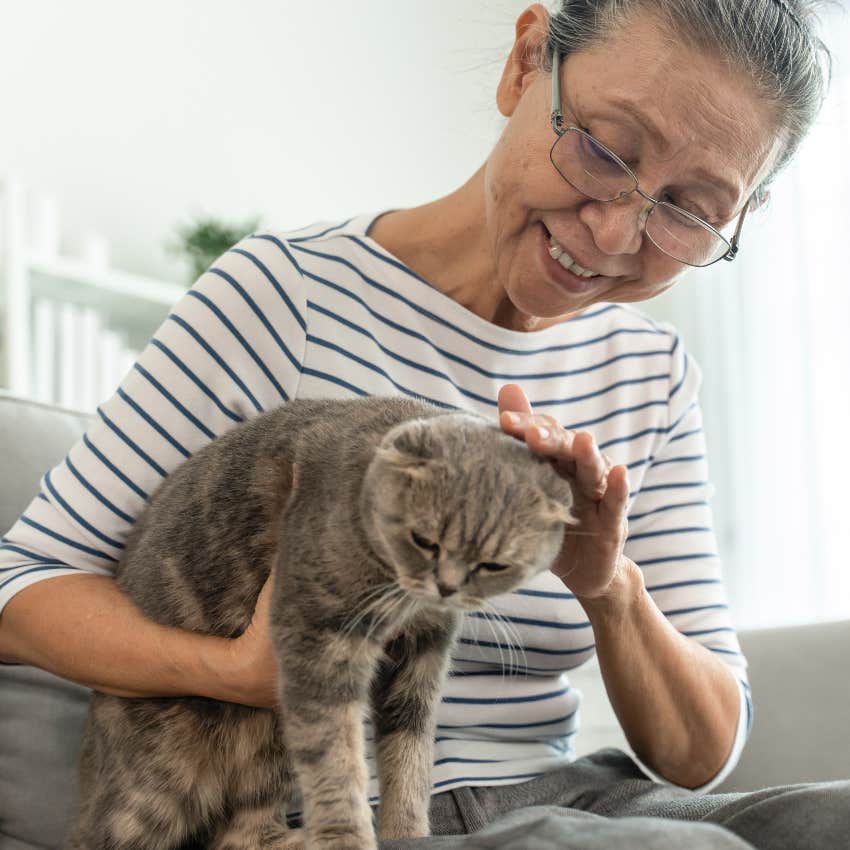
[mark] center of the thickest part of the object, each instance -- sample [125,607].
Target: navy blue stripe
[276,284]
[315,235]
[153,423]
[576,425]
[684,459]
[258,312]
[460,331]
[142,454]
[679,486]
[524,621]
[685,435]
[216,310]
[333,379]
[633,517]
[392,261]
[691,610]
[379,371]
[697,557]
[97,494]
[563,719]
[694,530]
[448,355]
[546,671]
[687,412]
[463,779]
[546,594]
[632,437]
[504,700]
[78,518]
[180,407]
[723,651]
[539,650]
[66,541]
[684,371]
[36,570]
[700,632]
[13,547]
[196,380]
[674,584]
[215,356]
[112,468]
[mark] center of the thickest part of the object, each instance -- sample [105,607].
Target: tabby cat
[385,520]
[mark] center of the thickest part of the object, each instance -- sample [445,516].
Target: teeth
[559,254]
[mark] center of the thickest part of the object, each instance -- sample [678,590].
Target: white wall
[136,115]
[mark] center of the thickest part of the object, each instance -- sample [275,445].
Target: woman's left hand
[591,557]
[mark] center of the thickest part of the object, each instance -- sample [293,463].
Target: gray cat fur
[329,492]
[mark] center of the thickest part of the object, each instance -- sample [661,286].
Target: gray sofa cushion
[41,715]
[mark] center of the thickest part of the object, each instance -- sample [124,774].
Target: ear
[521,67]
[410,448]
[404,463]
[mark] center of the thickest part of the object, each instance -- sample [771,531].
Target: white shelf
[106,279]
[126,307]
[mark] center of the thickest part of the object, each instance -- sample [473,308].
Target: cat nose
[445,589]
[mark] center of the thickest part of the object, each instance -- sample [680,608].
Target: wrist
[622,593]
[215,669]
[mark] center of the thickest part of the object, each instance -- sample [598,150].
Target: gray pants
[604,802]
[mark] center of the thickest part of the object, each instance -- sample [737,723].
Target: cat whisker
[389,605]
[518,660]
[375,596]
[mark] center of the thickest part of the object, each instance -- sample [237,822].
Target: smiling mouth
[558,253]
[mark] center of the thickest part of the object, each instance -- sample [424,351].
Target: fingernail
[543,432]
[512,418]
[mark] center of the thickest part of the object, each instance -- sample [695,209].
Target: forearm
[86,629]
[678,704]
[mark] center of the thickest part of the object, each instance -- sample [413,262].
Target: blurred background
[138,137]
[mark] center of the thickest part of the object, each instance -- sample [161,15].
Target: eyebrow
[661,140]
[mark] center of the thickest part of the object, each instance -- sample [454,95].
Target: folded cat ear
[410,447]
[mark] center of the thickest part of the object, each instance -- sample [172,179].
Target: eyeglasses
[597,172]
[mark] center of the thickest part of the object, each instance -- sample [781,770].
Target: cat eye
[424,543]
[492,567]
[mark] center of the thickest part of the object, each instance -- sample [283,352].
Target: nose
[445,589]
[617,226]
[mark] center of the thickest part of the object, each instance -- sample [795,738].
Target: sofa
[799,677]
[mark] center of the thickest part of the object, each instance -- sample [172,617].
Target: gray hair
[773,41]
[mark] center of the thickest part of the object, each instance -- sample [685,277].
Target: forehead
[693,111]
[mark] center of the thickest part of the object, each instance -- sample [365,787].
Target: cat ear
[410,447]
[407,464]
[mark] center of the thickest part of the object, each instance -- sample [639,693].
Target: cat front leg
[324,696]
[404,696]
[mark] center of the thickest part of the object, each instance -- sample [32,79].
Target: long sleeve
[231,348]
[671,538]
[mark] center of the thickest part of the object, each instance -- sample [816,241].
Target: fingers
[512,397]
[616,498]
[575,453]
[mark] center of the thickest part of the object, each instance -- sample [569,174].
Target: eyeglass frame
[558,125]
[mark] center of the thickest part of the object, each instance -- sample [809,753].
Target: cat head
[461,511]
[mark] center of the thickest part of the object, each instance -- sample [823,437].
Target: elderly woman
[640,133]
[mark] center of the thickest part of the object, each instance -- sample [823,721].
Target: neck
[447,242]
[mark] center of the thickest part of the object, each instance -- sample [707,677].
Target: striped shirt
[326,312]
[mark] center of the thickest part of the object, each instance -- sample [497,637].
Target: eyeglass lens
[594,171]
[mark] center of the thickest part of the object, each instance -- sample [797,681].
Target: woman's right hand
[252,663]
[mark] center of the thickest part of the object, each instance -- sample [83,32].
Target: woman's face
[693,130]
